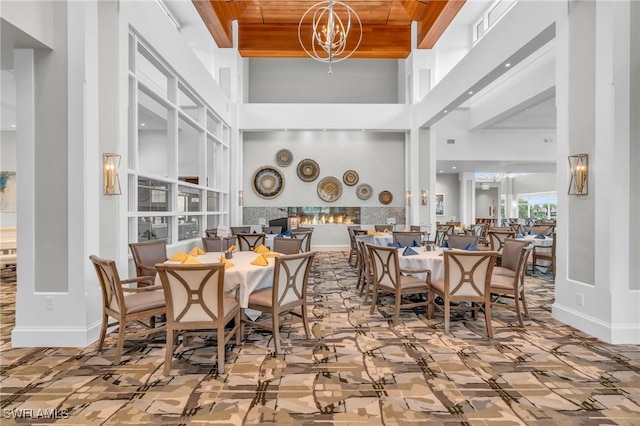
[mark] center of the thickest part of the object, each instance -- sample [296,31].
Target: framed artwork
[440,204]
[8,194]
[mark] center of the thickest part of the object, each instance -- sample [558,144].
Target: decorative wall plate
[364,191]
[308,170]
[284,158]
[267,182]
[385,197]
[350,177]
[329,189]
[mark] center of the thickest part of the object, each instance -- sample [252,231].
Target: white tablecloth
[250,277]
[433,260]
[383,239]
[546,242]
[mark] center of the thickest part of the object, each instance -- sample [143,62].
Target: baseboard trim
[618,334]
[58,337]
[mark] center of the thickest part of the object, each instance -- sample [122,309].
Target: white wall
[378,158]
[302,81]
[449,185]
[534,183]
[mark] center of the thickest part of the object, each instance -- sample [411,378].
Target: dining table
[535,240]
[423,259]
[249,277]
[382,238]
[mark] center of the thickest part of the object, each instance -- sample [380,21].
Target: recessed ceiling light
[143,124]
[13,125]
[445,111]
[441,171]
[454,167]
[286,130]
[508,64]
[471,92]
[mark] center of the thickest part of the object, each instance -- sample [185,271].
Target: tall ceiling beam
[436,20]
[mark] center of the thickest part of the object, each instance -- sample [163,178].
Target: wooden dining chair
[305,236]
[287,294]
[249,242]
[144,302]
[365,277]
[408,238]
[383,228]
[361,253]
[197,301]
[213,245]
[462,241]
[211,233]
[497,239]
[287,245]
[147,254]
[388,279]
[544,257]
[507,281]
[272,230]
[235,230]
[467,278]
[353,252]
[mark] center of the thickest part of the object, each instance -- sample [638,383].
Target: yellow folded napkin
[271,254]
[227,264]
[378,234]
[386,231]
[260,261]
[233,249]
[371,232]
[190,260]
[178,256]
[261,249]
[196,251]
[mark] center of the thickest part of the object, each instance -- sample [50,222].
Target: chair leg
[305,321]
[103,331]
[168,351]
[374,299]
[120,344]
[276,331]
[431,299]
[447,315]
[487,318]
[518,313]
[221,345]
[524,303]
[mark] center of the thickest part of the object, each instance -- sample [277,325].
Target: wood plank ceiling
[269,28]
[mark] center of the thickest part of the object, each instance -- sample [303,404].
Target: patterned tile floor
[356,370]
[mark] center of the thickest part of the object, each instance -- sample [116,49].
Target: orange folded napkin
[178,256]
[261,249]
[190,260]
[227,264]
[271,254]
[260,261]
[196,251]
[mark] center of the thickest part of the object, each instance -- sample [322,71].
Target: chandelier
[331,25]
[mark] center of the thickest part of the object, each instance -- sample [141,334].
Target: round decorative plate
[308,170]
[364,191]
[267,182]
[329,189]
[385,197]
[284,158]
[350,177]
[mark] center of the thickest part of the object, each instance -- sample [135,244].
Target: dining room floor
[356,369]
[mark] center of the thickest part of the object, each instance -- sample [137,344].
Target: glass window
[188,104]
[153,195]
[188,199]
[213,201]
[154,228]
[151,72]
[213,221]
[213,125]
[498,10]
[153,135]
[188,227]
[189,154]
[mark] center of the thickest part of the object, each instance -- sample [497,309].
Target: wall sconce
[407,198]
[423,197]
[579,167]
[241,198]
[111,174]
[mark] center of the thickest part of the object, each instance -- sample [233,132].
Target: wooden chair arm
[417,271]
[149,280]
[141,289]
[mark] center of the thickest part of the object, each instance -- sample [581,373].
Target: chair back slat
[287,245]
[408,238]
[467,273]
[146,254]
[305,236]
[248,242]
[385,265]
[291,275]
